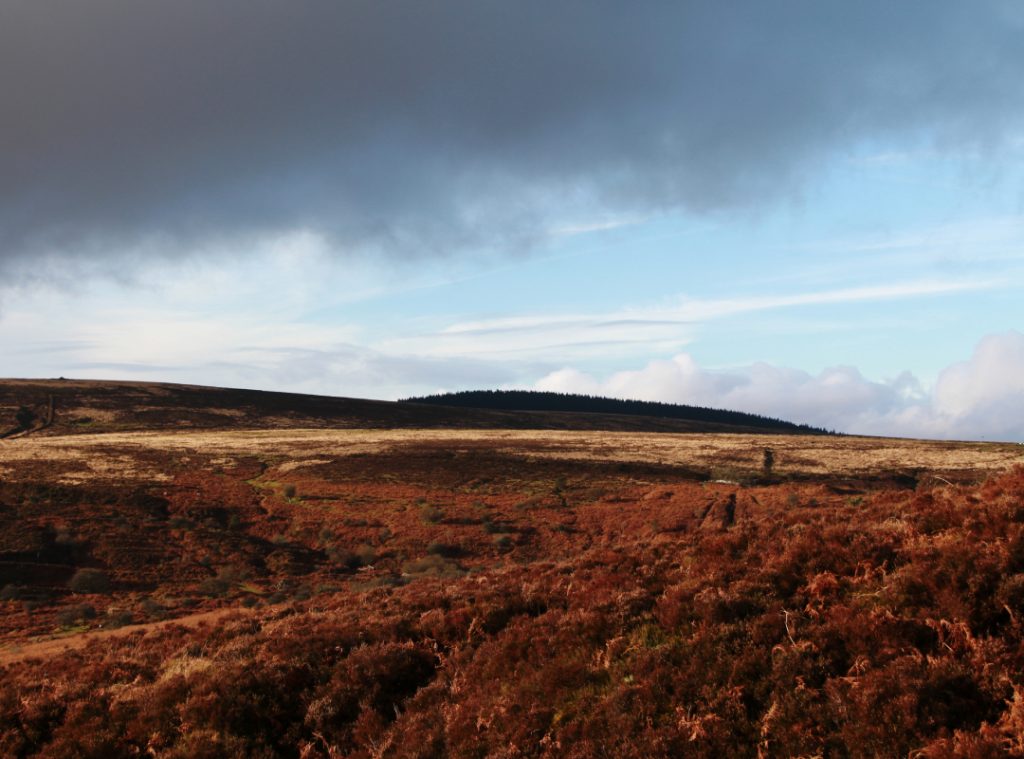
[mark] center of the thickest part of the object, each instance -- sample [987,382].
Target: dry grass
[119,455]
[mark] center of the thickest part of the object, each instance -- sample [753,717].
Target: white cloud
[988,389]
[644,330]
[980,398]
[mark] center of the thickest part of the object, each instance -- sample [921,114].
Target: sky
[810,210]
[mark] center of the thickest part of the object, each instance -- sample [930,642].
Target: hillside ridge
[70,406]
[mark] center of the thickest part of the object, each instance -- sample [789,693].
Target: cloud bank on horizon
[139,130]
[979,398]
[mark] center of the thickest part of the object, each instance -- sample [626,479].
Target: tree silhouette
[529,400]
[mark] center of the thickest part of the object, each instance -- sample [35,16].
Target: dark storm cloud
[417,127]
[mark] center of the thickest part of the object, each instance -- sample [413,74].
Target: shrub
[431,514]
[495,528]
[72,615]
[152,608]
[25,417]
[225,579]
[533,502]
[1011,595]
[433,565]
[443,549]
[89,581]
[343,557]
[366,554]
[283,562]
[502,541]
[363,556]
[117,618]
[214,587]
[368,689]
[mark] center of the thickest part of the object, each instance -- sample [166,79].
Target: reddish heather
[425,600]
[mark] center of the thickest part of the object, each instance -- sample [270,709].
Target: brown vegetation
[484,593]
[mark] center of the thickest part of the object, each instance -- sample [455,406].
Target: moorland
[194,572]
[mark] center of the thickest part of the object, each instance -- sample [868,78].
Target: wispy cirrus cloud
[647,329]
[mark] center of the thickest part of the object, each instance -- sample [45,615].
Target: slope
[61,407]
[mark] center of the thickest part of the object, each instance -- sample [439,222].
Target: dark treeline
[530,400]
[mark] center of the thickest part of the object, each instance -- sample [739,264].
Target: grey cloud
[416,128]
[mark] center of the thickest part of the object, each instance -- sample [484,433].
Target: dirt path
[43,649]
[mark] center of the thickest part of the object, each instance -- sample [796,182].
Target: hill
[62,407]
[533,400]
